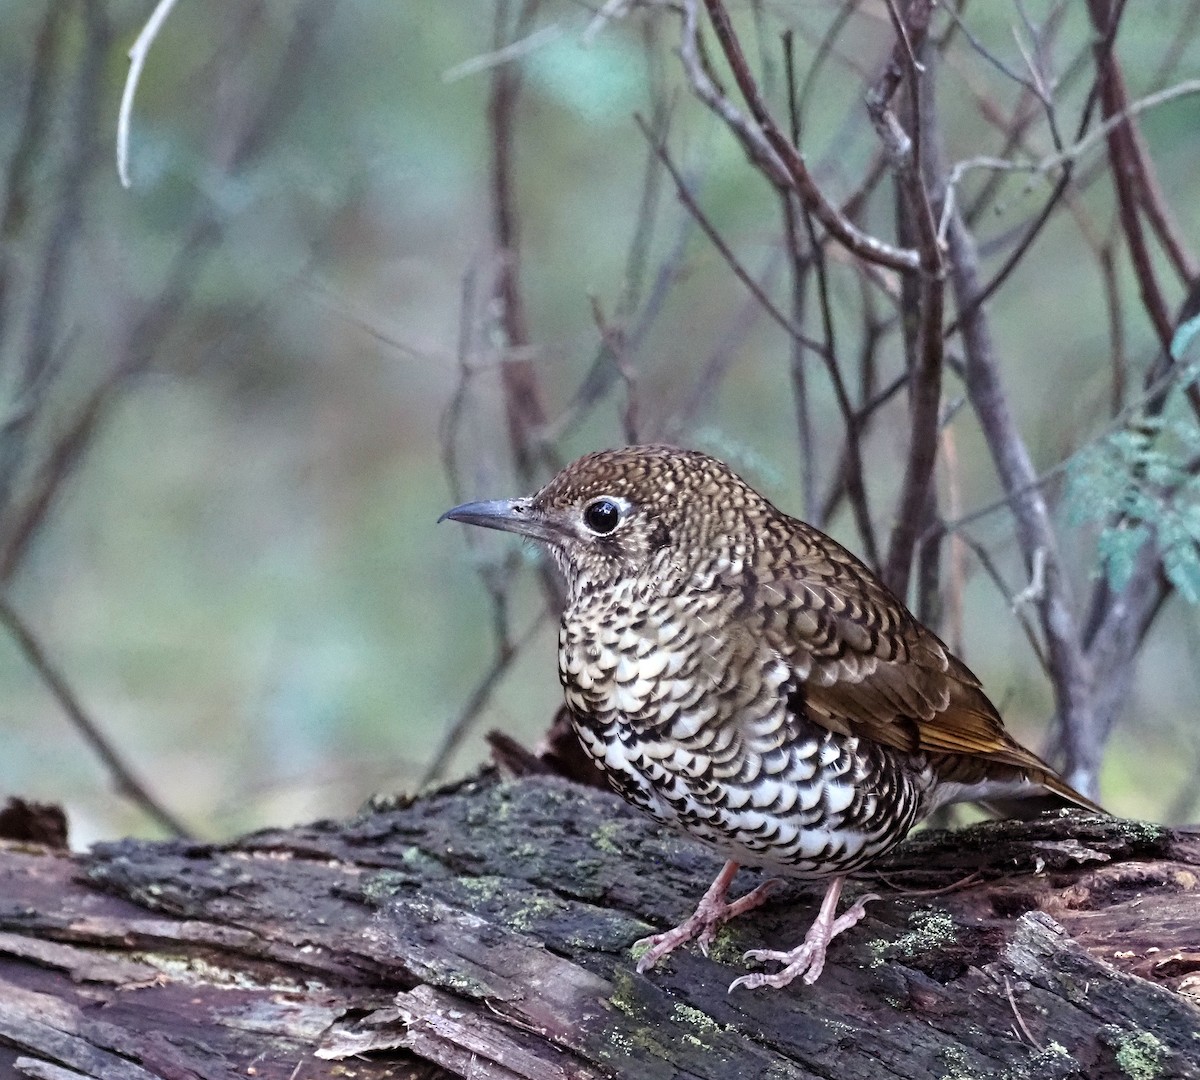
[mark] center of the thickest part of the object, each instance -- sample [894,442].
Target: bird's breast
[633,656]
[694,722]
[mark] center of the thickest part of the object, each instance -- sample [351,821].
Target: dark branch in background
[603,371]
[993,571]
[798,105]
[726,253]
[41,355]
[953,610]
[27,509]
[1134,186]
[872,336]
[522,396]
[614,338]
[126,782]
[32,131]
[852,474]
[916,172]
[801,264]
[1014,137]
[452,418]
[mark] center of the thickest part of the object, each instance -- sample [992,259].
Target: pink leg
[710,915]
[808,958]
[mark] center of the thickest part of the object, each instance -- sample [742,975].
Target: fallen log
[484,931]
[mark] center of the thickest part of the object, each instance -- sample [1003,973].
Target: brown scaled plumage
[741,676]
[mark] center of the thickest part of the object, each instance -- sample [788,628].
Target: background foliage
[239,571]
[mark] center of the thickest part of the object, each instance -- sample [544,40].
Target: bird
[741,676]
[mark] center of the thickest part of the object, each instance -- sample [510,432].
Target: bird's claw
[655,947]
[807,960]
[700,928]
[703,925]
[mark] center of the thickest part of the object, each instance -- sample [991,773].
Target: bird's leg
[713,911]
[808,958]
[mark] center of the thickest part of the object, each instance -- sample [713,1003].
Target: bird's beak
[507,515]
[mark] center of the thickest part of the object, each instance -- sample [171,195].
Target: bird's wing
[866,667]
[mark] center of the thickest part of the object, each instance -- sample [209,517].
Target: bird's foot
[807,960]
[702,925]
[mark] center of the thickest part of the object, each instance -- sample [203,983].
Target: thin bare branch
[468,716]
[864,245]
[1125,158]
[514,50]
[956,577]
[825,49]
[614,338]
[126,782]
[804,255]
[993,572]
[709,230]
[41,354]
[33,129]
[28,509]
[720,359]
[1069,667]
[137,61]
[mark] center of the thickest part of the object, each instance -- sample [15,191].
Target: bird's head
[638,510]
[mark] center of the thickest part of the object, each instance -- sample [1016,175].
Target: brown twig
[1012,1004]
[601,373]
[801,263]
[1127,168]
[956,585]
[872,337]
[826,46]
[126,781]
[27,510]
[864,245]
[993,572]
[853,476]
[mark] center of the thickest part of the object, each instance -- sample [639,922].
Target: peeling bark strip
[484,931]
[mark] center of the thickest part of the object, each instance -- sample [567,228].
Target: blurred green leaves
[602,82]
[1140,483]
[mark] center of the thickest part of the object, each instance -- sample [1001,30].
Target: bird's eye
[601,516]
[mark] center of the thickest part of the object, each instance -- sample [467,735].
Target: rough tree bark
[484,931]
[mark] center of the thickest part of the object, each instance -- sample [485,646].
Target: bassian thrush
[741,676]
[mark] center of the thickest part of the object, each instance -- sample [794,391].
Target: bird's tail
[1058,793]
[1020,794]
